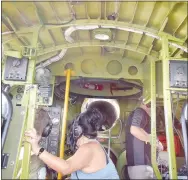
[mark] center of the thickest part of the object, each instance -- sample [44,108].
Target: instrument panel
[15,69]
[178,74]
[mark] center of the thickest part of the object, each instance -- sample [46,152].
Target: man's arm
[140,133]
[138,123]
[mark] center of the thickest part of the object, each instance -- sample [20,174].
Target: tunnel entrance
[108,107]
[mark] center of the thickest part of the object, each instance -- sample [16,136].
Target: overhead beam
[86,9]
[125,44]
[101,13]
[164,22]
[105,10]
[181,22]
[150,49]
[11,26]
[85,22]
[25,21]
[52,37]
[118,44]
[21,14]
[110,23]
[41,21]
[176,49]
[78,40]
[130,22]
[134,13]
[149,17]
[54,12]
[118,5]
[72,11]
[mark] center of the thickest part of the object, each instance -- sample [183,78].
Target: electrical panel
[53,139]
[178,74]
[45,93]
[16,69]
[51,143]
[19,94]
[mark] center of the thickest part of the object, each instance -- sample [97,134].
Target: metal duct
[71,29]
[52,59]
[6,114]
[109,108]
[183,120]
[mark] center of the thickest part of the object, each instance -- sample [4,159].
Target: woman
[90,160]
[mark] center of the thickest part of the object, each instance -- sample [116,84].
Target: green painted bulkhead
[43,30]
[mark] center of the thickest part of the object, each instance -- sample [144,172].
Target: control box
[16,69]
[45,93]
[178,74]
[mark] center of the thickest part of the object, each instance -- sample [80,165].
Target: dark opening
[108,112]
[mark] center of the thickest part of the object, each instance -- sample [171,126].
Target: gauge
[55,121]
[18,96]
[20,89]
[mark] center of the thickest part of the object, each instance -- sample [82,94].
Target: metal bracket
[29,51]
[4,160]
[171,38]
[16,54]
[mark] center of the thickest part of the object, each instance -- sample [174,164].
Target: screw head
[22,112]
[12,163]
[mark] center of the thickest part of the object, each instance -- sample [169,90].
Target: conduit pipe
[52,59]
[183,120]
[71,29]
[7,111]
[64,117]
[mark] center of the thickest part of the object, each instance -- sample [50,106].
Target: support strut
[64,118]
[168,109]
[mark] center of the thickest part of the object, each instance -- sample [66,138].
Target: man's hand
[159,145]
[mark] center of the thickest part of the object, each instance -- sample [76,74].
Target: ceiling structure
[134,28]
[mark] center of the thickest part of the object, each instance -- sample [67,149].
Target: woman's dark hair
[87,124]
[90,121]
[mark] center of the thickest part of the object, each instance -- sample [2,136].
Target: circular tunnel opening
[108,107]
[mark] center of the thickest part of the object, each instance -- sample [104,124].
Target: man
[138,135]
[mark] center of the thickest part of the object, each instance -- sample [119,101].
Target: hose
[173,118]
[184,130]
[7,110]
[59,24]
[109,140]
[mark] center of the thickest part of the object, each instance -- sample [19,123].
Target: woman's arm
[78,161]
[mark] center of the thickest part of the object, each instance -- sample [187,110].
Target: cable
[173,118]
[54,24]
[109,143]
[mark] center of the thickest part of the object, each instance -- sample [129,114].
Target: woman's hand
[33,139]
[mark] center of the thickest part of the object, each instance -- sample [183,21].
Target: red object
[98,87]
[101,140]
[177,144]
